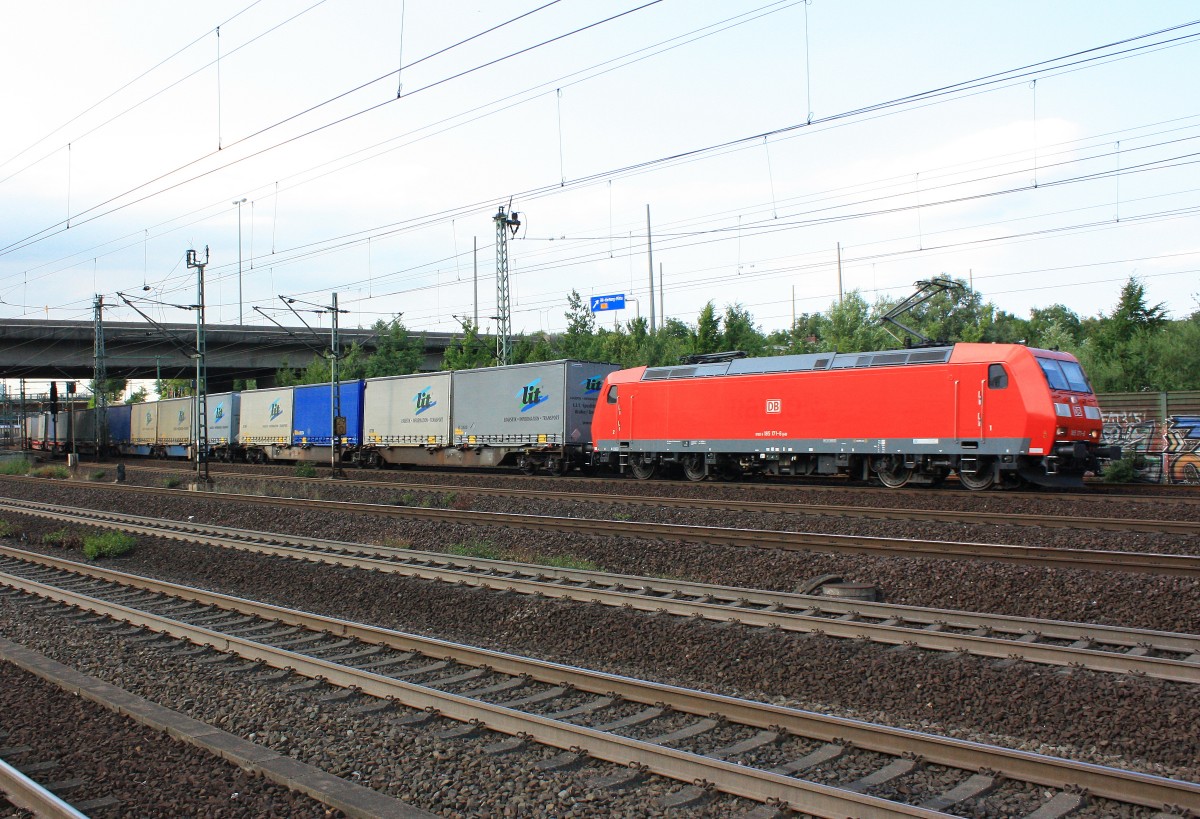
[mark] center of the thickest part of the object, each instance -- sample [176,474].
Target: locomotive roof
[801,363]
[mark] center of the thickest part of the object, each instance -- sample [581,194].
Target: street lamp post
[239,203]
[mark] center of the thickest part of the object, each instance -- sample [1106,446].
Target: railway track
[22,792]
[1087,559]
[1162,655]
[648,726]
[1185,494]
[1157,526]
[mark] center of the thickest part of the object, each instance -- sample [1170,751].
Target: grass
[304,469]
[107,544]
[97,475]
[7,529]
[15,466]
[564,562]
[478,548]
[56,472]
[172,482]
[63,538]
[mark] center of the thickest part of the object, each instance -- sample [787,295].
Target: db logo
[774,406]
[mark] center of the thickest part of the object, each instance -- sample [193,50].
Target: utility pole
[99,375]
[200,402]
[650,258]
[337,422]
[504,223]
[239,203]
[24,437]
[475,246]
[662,304]
[839,272]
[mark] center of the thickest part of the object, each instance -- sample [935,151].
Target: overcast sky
[1045,185]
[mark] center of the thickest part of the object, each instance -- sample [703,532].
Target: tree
[1057,318]
[469,351]
[396,352]
[579,339]
[853,328]
[111,388]
[138,396]
[739,332]
[708,330]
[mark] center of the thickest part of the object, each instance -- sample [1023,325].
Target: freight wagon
[224,414]
[530,416]
[296,423]
[992,413]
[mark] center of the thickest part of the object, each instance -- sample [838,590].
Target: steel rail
[1185,494]
[1178,527]
[1090,559]
[1111,783]
[25,793]
[990,635]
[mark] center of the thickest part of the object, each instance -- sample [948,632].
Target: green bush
[57,472]
[171,483]
[15,466]
[97,475]
[7,529]
[107,544]
[1124,470]
[304,469]
[64,538]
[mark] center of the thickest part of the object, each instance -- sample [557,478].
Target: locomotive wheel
[694,467]
[642,467]
[980,478]
[893,475]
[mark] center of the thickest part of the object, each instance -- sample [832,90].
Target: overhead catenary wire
[1008,75]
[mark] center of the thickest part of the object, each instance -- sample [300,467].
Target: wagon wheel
[558,466]
[528,466]
[983,476]
[893,473]
[694,468]
[642,466]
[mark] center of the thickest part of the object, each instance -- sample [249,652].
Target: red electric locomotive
[997,414]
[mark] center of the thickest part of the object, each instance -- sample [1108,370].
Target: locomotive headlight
[1060,432]
[1095,434]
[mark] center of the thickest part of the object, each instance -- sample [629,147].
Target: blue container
[311,414]
[118,421]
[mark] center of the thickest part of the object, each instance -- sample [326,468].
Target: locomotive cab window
[612,394]
[997,377]
[1064,375]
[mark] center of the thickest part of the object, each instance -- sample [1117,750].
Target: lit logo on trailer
[423,401]
[181,413]
[531,395]
[149,418]
[276,410]
[591,385]
[219,412]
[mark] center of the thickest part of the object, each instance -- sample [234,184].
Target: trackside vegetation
[1135,347]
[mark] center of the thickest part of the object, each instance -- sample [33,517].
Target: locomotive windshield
[1064,375]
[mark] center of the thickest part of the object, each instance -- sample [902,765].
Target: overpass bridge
[63,350]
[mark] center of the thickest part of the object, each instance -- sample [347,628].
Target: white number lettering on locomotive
[774,406]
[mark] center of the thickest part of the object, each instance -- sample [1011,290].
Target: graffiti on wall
[1169,450]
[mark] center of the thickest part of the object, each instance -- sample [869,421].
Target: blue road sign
[602,303]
